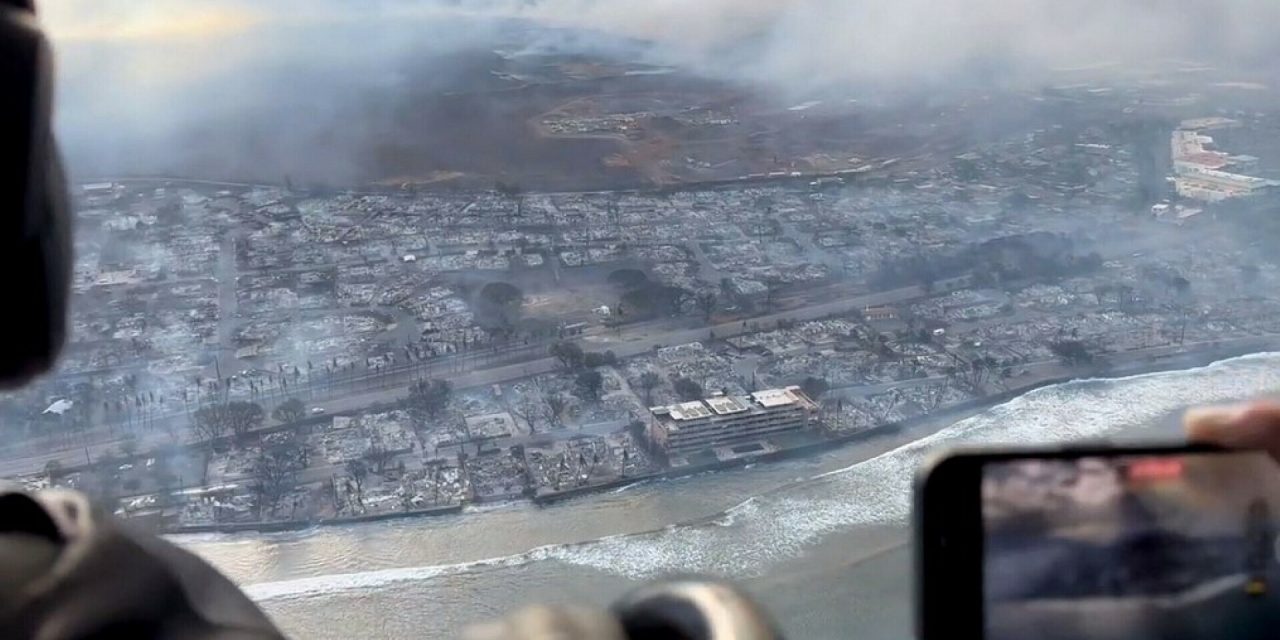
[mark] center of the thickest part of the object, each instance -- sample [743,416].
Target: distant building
[1205,124]
[59,407]
[724,420]
[1200,172]
[880,313]
[574,329]
[248,351]
[1215,186]
[99,188]
[1174,214]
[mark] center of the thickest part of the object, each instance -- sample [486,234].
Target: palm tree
[358,471]
[649,381]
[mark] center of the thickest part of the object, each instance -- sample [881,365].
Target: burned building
[727,420]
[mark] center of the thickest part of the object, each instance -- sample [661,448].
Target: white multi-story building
[1199,172]
[726,420]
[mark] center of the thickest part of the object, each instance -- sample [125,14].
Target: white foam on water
[344,582]
[735,514]
[751,536]
[878,490]
[501,505]
[805,106]
[627,487]
[241,537]
[336,583]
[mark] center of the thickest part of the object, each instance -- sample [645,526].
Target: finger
[1214,424]
[1253,425]
[550,623]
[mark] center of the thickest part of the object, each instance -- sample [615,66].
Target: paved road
[629,342]
[228,304]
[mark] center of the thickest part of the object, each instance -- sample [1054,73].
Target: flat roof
[689,410]
[728,405]
[1212,121]
[724,405]
[774,397]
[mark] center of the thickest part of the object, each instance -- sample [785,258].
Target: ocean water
[820,541]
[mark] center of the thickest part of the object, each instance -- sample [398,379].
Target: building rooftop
[1213,122]
[729,405]
[1199,171]
[688,410]
[724,405]
[774,397]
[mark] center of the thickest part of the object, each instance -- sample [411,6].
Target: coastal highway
[387,388]
[18,461]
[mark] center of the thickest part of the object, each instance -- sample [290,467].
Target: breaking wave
[750,537]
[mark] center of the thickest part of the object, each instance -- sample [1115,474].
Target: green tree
[569,354]
[639,434]
[379,456]
[649,381]
[428,399]
[687,389]
[1072,352]
[508,189]
[499,305]
[673,299]
[599,359]
[209,423]
[358,471]
[554,406]
[628,279]
[529,409]
[243,417]
[814,387]
[658,298]
[589,384]
[274,477]
[289,411]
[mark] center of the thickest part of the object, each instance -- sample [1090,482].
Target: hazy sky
[830,39]
[136,76]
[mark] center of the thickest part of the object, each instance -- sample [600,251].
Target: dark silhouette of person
[1259,535]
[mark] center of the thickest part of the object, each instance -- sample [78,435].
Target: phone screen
[1132,546]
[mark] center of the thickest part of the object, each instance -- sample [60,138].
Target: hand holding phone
[1101,542]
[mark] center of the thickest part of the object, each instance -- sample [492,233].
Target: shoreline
[1120,366]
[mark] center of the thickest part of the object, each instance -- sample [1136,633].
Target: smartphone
[1098,543]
